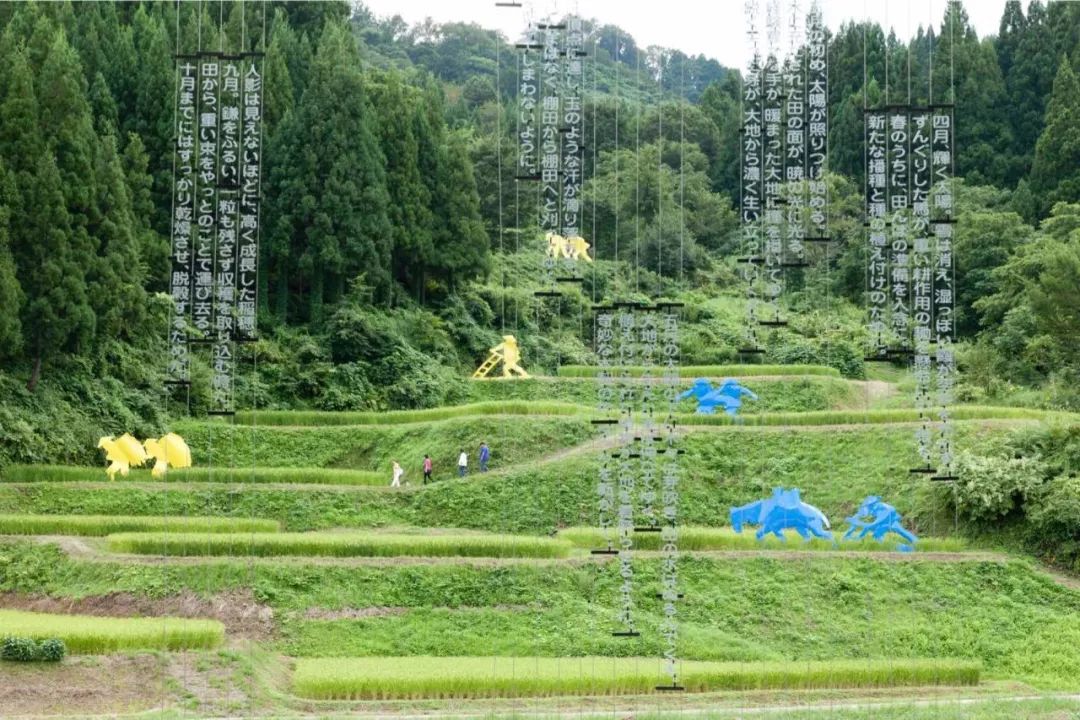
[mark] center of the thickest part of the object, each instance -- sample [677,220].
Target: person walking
[427,469]
[485,455]
[398,472]
[462,463]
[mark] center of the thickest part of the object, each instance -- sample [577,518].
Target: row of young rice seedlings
[90,635]
[340,544]
[401,417]
[712,371]
[384,678]
[863,417]
[546,408]
[228,475]
[725,538]
[100,525]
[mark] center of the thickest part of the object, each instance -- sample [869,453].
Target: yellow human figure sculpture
[507,353]
[169,450]
[578,248]
[122,453]
[557,246]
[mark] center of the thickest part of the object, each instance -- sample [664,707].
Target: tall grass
[99,525]
[379,678]
[85,634]
[402,417]
[710,371]
[725,538]
[234,475]
[343,544]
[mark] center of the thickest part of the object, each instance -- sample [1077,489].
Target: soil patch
[98,685]
[242,616]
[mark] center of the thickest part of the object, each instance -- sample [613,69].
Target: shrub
[19,649]
[52,650]
[992,488]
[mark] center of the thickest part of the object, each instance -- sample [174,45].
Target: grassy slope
[1018,622]
[835,469]
[775,394]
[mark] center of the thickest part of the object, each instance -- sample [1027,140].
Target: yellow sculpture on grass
[507,353]
[169,450]
[574,247]
[126,452]
[122,453]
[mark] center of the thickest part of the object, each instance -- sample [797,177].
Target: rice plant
[340,544]
[401,417]
[99,525]
[232,475]
[725,538]
[91,635]
[710,371]
[871,417]
[379,678]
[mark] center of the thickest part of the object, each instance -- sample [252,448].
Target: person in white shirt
[398,472]
[462,464]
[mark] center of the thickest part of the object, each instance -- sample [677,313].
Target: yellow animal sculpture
[168,450]
[507,353]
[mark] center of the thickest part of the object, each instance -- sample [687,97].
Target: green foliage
[52,650]
[993,488]
[99,525]
[19,649]
[339,544]
[469,677]
[87,635]
[399,417]
[711,371]
[1053,174]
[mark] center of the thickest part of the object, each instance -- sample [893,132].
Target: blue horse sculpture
[728,396]
[784,510]
[884,519]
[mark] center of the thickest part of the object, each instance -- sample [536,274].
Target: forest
[387,269]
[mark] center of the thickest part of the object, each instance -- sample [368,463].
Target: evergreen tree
[115,281]
[328,189]
[11,295]
[154,90]
[57,315]
[410,201]
[21,143]
[461,247]
[1028,81]
[154,248]
[1055,174]
[103,107]
[983,140]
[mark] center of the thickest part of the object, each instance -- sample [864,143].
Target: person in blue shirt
[485,455]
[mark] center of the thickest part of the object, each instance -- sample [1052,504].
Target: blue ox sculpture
[784,510]
[728,396]
[883,519]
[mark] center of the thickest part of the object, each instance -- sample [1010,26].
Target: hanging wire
[618,161]
[682,162]
[637,174]
[596,107]
[660,174]
[499,176]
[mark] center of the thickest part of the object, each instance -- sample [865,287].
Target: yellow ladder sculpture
[508,354]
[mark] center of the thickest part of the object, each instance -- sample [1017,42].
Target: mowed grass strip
[385,678]
[99,525]
[725,538]
[91,635]
[872,417]
[234,475]
[340,544]
[708,371]
[402,417]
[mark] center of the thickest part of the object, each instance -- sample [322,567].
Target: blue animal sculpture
[784,510]
[727,396]
[883,519]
